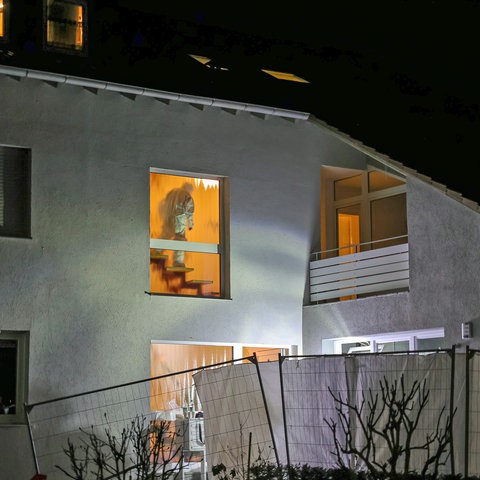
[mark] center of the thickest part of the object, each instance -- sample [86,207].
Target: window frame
[23,211]
[334,345]
[22,338]
[329,240]
[58,48]
[222,248]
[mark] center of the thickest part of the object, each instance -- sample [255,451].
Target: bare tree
[389,417]
[143,450]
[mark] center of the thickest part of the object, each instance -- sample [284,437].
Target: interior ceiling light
[207,62]
[285,76]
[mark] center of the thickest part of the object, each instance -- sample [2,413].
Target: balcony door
[363,210]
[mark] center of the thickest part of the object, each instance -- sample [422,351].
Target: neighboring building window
[66,25]
[13,376]
[364,210]
[3,19]
[14,192]
[188,221]
[412,340]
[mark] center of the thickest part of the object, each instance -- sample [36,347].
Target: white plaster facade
[79,284]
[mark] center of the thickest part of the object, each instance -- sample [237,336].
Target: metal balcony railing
[360,269]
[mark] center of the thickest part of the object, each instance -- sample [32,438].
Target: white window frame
[22,339]
[237,347]
[334,345]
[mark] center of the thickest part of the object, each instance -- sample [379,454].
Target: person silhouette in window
[177,211]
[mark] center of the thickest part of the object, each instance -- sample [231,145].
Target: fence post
[467,408]
[32,443]
[287,450]
[255,360]
[452,399]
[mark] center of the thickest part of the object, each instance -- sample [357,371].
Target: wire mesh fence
[328,398]
[281,411]
[107,413]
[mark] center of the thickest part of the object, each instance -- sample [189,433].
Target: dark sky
[400,75]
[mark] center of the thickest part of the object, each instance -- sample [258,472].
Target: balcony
[373,267]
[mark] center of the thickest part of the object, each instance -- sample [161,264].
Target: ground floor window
[427,339]
[13,375]
[179,391]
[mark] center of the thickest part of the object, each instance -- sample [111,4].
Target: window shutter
[14,192]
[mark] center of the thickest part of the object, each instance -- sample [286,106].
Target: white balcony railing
[367,272]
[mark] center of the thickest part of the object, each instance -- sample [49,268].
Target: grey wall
[444,285]
[79,284]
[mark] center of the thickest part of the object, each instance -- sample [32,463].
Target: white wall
[79,284]
[444,272]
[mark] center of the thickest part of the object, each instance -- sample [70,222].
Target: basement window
[188,224]
[15,192]
[13,376]
[65,25]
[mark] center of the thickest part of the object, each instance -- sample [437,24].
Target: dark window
[13,376]
[14,192]
[188,225]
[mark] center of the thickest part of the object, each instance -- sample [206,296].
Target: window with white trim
[170,357]
[411,340]
[14,192]
[188,231]
[13,376]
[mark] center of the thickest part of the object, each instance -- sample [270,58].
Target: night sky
[401,76]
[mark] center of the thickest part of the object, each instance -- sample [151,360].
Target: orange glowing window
[65,26]
[291,77]
[2,19]
[187,255]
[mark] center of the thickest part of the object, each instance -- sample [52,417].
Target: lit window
[65,25]
[412,340]
[3,19]
[14,192]
[188,255]
[166,358]
[285,76]
[13,376]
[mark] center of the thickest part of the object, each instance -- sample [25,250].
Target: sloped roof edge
[228,104]
[393,164]
[159,94]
